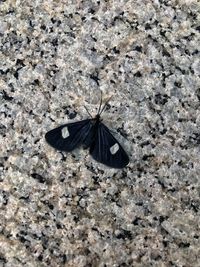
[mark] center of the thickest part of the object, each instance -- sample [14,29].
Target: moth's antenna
[105,104]
[88,111]
[100,104]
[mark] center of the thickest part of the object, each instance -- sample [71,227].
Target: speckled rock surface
[61,209]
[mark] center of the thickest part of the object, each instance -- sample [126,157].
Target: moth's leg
[117,133]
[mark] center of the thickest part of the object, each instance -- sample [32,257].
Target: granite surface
[60,209]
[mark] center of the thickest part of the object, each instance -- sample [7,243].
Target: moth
[92,134]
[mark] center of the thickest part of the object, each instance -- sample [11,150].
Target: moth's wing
[69,136]
[107,150]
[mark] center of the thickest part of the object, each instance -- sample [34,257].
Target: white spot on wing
[65,132]
[114,149]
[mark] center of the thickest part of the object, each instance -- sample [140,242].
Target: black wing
[69,136]
[107,150]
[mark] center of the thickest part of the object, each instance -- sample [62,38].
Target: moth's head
[98,117]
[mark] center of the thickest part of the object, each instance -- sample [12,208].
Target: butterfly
[92,134]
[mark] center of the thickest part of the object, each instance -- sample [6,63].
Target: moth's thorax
[97,118]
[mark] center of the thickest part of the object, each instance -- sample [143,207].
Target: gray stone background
[66,209]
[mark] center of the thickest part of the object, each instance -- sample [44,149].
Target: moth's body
[90,138]
[92,134]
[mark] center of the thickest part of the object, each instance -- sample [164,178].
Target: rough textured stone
[61,209]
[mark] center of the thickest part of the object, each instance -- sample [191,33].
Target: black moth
[93,134]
